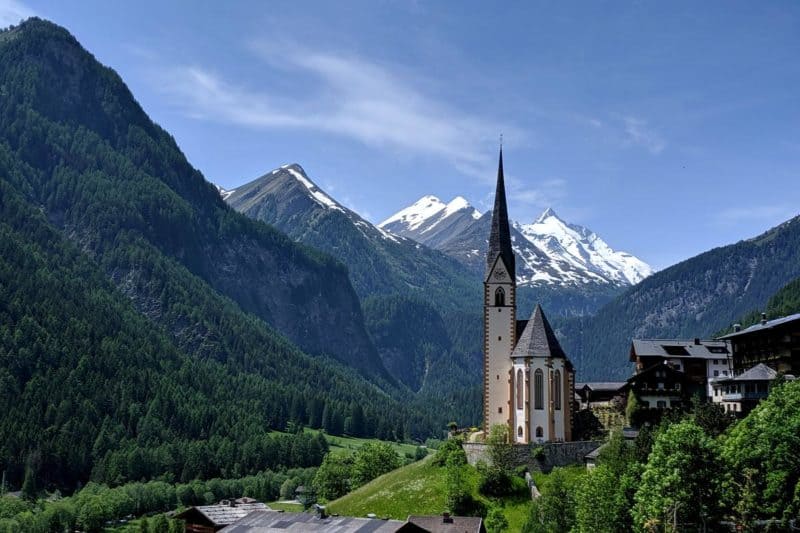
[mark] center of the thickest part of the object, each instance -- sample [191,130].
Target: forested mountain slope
[415,297]
[90,386]
[134,303]
[785,302]
[118,185]
[695,298]
[378,262]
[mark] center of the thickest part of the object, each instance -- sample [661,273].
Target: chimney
[737,328]
[763,318]
[446,518]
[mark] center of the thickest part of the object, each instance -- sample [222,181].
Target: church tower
[499,315]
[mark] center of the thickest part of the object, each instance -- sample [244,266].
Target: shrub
[448,448]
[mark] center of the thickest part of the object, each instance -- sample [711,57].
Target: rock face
[414,295]
[551,252]
[379,262]
[126,194]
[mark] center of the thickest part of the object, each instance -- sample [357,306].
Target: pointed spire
[500,236]
[538,339]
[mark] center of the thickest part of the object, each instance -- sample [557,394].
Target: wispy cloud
[12,12]
[347,96]
[638,133]
[763,214]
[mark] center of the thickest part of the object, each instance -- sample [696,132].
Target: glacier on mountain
[551,251]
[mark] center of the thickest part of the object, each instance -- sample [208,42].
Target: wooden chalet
[594,394]
[702,361]
[660,386]
[775,343]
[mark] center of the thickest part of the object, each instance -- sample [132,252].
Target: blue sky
[668,128]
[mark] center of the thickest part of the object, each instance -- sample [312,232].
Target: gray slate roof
[601,385]
[760,372]
[222,515]
[758,327]
[459,524]
[659,347]
[500,236]
[538,339]
[269,521]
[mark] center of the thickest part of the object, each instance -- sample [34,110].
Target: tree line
[689,473]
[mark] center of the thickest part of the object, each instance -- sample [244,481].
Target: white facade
[531,394]
[527,378]
[499,322]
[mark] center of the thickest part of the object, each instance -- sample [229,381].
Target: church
[528,380]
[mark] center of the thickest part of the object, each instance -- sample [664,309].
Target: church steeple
[500,237]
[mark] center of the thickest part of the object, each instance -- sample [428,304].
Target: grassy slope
[342,445]
[418,488]
[345,444]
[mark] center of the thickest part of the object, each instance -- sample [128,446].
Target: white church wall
[499,331]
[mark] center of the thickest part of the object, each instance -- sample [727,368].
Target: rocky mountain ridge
[551,251]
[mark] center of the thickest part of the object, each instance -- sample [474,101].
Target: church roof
[538,339]
[500,236]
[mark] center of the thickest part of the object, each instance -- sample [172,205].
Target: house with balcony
[740,394]
[702,361]
[659,387]
[774,343]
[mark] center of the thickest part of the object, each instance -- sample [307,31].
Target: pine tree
[29,491]
[357,420]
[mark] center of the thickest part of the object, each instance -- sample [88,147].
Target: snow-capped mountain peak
[457,204]
[223,192]
[547,213]
[417,213]
[431,217]
[316,193]
[583,248]
[551,250]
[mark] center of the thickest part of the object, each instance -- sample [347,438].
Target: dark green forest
[143,323]
[783,303]
[695,298]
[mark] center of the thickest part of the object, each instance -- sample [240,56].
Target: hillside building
[528,379]
[660,386]
[740,394]
[702,361]
[212,518]
[268,520]
[599,394]
[775,343]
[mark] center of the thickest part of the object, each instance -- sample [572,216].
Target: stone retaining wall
[554,454]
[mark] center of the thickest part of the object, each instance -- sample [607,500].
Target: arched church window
[539,432]
[520,389]
[499,297]
[538,389]
[557,390]
[519,431]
